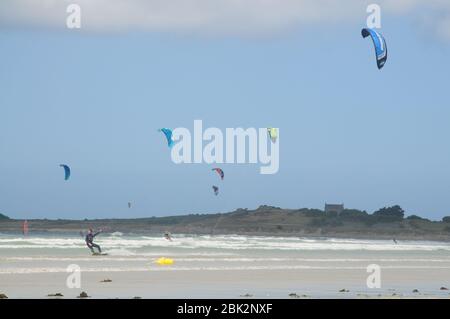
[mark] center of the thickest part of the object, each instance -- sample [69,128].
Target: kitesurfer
[90,240]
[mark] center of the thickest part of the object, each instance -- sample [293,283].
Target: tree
[353,213]
[389,214]
[415,217]
[446,219]
[312,212]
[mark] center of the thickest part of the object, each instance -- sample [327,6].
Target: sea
[52,253]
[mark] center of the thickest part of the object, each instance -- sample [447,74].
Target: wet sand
[307,283]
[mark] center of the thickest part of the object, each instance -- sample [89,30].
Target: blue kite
[380,45]
[66,171]
[168,133]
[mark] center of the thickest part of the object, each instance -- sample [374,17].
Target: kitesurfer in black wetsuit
[90,240]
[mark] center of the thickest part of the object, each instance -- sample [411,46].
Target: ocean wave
[128,244]
[117,234]
[127,257]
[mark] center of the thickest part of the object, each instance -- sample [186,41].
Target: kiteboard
[99,254]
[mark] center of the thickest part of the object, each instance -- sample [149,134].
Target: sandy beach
[223,267]
[398,283]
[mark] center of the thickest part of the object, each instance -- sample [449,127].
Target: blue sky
[349,133]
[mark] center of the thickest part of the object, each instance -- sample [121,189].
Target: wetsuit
[90,242]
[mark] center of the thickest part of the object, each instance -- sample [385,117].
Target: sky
[94,98]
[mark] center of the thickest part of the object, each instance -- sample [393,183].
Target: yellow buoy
[164,261]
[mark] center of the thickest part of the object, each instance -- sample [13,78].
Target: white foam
[117,234]
[222,242]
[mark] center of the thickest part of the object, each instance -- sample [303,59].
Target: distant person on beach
[167,236]
[90,240]
[395,241]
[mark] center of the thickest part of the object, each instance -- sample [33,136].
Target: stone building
[334,208]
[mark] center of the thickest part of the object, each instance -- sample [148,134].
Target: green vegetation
[415,217]
[385,223]
[354,215]
[389,214]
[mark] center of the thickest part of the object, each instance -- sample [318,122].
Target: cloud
[229,17]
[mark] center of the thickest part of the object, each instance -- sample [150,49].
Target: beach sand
[308,283]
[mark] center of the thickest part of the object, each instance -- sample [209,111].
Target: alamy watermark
[234,146]
[374,279]
[73,280]
[73,20]
[374,18]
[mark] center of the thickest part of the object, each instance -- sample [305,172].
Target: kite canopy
[273,134]
[220,172]
[66,171]
[216,190]
[380,45]
[168,133]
